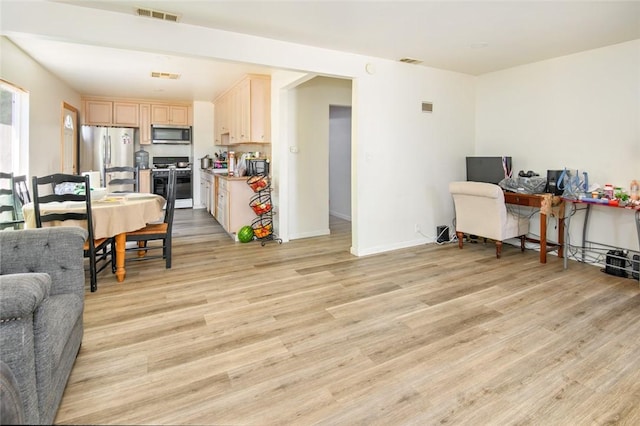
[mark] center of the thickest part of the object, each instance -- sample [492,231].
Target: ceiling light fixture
[408,60]
[165,75]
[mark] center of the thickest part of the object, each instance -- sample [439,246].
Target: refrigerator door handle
[109,150]
[105,152]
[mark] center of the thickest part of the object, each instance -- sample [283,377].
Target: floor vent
[166,75]
[165,16]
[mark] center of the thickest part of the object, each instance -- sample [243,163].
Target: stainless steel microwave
[170,134]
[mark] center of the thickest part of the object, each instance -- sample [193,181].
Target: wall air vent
[427,107]
[165,16]
[165,75]
[410,61]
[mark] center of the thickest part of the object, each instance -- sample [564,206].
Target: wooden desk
[548,204]
[114,216]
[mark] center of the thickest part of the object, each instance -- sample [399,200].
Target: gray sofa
[41,307]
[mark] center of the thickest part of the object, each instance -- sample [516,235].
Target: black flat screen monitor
[488,169]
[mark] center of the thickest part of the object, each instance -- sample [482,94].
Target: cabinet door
[170,114]
[260,110]
[203,191]
[144,177]
[160,114]
[145,124]
[220,123]
[223,209]
[243,110]
[222,117]
[233,119]
[126,114]
[179,115]
[98,112]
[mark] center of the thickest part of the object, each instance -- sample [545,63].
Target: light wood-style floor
[305,333]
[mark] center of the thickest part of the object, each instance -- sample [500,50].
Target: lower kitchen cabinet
[207,191]
[233,211]
[144,180]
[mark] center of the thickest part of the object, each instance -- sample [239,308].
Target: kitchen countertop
[224,175]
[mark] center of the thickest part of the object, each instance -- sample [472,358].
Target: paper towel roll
[94,179]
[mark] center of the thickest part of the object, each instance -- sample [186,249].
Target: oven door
[183,187]
[159,184]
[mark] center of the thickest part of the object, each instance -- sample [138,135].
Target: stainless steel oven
[160,180]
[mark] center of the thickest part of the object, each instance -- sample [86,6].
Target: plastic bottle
[634,190]
[231,163]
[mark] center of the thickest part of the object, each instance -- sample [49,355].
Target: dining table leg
[121,241]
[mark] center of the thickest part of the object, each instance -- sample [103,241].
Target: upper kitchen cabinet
[179,115]
[221,120]
[110,113]
[145,124]
[243,113]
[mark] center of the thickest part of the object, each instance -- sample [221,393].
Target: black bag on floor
[616,262]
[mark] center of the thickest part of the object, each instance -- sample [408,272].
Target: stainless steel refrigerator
[104,147]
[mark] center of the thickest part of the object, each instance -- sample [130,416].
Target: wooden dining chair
[119,181]
[99,251]
[156,231]
[10,212]
[21,190]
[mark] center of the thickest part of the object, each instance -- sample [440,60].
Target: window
[14,107]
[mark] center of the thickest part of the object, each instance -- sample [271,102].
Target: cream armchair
[480,210]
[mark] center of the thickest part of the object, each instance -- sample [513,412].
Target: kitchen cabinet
[207,191]
[179,115]
[110,113]
[233,211]
[144,180]
[243,113]
[145,124]
[221,120]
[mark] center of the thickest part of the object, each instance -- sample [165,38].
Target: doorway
[340,162]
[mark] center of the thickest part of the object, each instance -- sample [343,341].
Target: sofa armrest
[21,294]
[57,251]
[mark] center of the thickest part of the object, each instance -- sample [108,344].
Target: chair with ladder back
[156,231]
[10,211]
[99,251]
[120,177]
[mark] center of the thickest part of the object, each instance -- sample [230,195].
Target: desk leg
[121,241]
[543,238]
[561,231]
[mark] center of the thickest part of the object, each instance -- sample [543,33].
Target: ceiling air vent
[427,107]
[166,75]
[410,61]
[165,16]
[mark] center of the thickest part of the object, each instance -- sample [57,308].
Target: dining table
[113,216]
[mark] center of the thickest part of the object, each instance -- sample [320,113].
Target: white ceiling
[472,37]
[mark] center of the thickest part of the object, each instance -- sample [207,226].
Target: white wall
[46,95]
[340,161]
[404,159]
[422,152]
[580,111]
[202,143]
[309,166]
